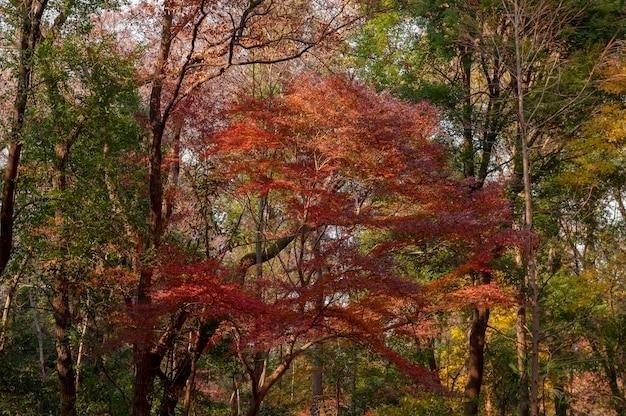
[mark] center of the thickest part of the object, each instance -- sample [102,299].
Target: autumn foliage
[352,182]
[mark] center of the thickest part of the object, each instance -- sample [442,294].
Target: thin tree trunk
[81,348]
[190,388]
[521,351]
[521,330]
[174,173]
[467,119]
[611,371]
[317,370]
[353,379]
[9,302]
[529,250]
[235,399]
[293,383]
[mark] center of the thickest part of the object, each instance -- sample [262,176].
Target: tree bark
[529,250]
[476,359]
[255,405]
[146,362]
[9,302]
[467,120]
[145,371]
[185,372]
[29,34]
[61,293]
[317,381]
[64,362]
[521,352]
[190,387]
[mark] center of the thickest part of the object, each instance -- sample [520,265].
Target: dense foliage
[314,207]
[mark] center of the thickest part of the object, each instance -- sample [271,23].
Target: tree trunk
[9,302]
[143,380]
[168,402]
[146,363]
[189,390]
[64,363]
[61,292]
[476,359]
[521,351]
[172,389]
[31,12]
[467,119]
[255,405]
[81,348]
[235,398]
[529,250]
[317,381]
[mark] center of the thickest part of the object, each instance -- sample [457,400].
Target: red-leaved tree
[338,183]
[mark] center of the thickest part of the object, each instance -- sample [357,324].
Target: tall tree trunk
[146,362]
[476,360]
[29,34]
[64,362]
[61,293]
[529,250]
[469,168]
[480,315]
[521,330]
[317,369]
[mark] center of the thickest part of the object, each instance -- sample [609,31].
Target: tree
[85,101]
[591,309]
[29,18]
[328,187]
[461,55]
[192,50]
[38,39]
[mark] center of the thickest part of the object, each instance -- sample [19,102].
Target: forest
[313,207]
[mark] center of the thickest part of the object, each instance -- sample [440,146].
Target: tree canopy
[287,207]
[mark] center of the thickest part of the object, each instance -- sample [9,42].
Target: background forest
[313,207]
